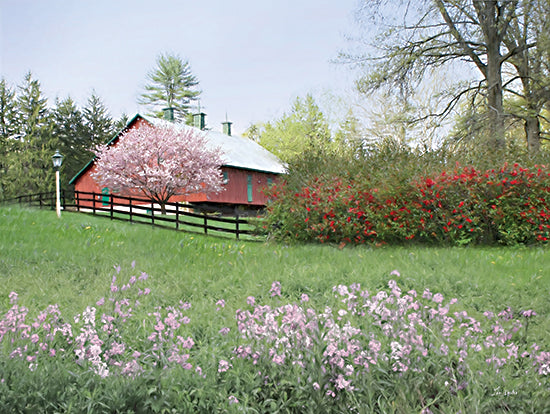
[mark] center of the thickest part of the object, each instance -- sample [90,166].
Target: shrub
[463,205]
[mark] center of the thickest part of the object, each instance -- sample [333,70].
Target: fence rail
[174,216]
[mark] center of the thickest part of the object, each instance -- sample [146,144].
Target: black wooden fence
[176,216]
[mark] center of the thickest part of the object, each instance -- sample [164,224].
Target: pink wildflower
[275,289]
[223,365]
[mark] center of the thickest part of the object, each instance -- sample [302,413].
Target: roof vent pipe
[168,114]
[226,127]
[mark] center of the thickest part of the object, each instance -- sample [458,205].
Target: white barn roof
[237,151]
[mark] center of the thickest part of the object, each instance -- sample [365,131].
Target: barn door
[105,196]
[249,188]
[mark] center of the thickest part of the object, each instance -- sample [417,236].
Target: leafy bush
[462,205]
[394,350]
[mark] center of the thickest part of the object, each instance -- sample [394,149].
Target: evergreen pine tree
[70,132]
[8,130]
[170,84]
[98,122]
[30,164]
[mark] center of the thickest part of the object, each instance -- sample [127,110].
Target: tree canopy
[160,162]
[171,84]
[415,38]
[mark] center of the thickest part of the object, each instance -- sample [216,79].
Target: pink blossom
[438,298]
[251,300]
[233,400]
[223,365]
[275,289]
[13,298]
[160,161]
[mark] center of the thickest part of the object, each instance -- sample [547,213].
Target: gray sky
[252,57]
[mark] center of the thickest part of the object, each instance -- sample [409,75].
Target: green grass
[70,261]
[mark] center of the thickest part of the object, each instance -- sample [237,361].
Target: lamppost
[57,161]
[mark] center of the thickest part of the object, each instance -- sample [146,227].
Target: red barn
[248,168]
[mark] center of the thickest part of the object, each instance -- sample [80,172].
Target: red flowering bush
[462,205]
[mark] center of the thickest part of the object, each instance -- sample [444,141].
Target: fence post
[93,202]
[153,213]
[237,224]
[112,202]
[77,200]
[63,199]
[177,216]
[205,222]
[131,211]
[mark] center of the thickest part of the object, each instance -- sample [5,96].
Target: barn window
[249,188]
[225,177]
[269,181]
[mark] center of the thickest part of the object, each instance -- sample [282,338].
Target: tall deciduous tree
[170,84]
[439,33]
[527,36]
[160,162]
[305,127]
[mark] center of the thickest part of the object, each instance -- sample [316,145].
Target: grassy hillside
[71,262]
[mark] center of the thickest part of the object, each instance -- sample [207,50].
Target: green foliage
[420,197]
[299,132]
[171,84]
[77,271]
[30,133]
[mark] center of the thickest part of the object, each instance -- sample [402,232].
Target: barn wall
[236,190]
[243,187]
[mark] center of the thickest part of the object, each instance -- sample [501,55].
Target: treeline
[31,130]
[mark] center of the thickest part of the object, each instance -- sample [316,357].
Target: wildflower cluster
[392,331]
[101,337]
[464,205]
[359,347]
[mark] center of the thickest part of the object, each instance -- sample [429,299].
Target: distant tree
[98,123]
[159,163]
[304,128]
[435,34]
[29,160]
[121,123]
[68,128]
[527,35]
[8,130]
[170,84]
[8,112]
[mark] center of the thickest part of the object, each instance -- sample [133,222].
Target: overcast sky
[252,57]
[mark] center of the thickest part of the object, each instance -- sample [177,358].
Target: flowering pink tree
[160,162]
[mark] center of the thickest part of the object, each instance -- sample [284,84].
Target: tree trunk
[532,132]
[494,78]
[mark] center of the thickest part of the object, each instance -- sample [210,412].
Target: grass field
[70,261]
